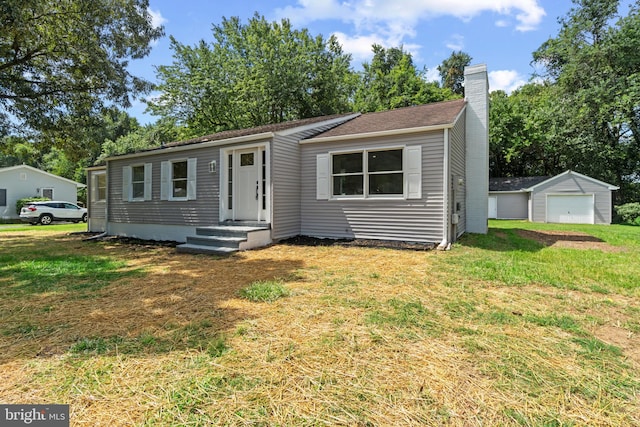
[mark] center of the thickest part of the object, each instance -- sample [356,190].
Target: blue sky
[500,33]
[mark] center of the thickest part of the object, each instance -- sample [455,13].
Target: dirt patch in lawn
[622,338]
[568,239]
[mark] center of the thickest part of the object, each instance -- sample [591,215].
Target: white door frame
[229,211]
[493,200]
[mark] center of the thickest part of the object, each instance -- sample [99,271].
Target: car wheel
[84,218]
[46,219]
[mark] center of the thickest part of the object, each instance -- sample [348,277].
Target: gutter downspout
[445,245]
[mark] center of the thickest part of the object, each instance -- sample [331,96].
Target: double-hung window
[137,182]
[178,179]
[373,173]
[101,185]
[368,173]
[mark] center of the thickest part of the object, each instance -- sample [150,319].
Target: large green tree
[523,132]
[594,61]
[62,61]
[452,71]
[252,74]
[391,80]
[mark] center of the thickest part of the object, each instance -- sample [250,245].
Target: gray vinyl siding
[419,220]
[285,179]
[572,184]
[204,210]
[512,205]
[457,156]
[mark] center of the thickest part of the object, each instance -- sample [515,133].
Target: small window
[3,197]
[137,182]
[48,193]
[179,179]
[247,159]
[101,187]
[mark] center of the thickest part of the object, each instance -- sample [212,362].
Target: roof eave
[204,144]
[385,133]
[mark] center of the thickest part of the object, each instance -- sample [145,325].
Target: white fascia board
[337,120]
[195,145]
[523,190]
[40,171]
[570,172]
[385,133]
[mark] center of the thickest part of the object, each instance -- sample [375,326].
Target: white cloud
[156,18]
[360,46]
[507,80]
[399,17]
[502,23]
[455,42]
[432,74]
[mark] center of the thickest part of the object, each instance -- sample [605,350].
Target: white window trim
[365,174]
[127,182]
[95,188]
[166,179]
[43,189]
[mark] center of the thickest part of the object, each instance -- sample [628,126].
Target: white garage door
[571,209]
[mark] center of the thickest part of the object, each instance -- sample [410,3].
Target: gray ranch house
[22,181]
[569,197]
[415,174]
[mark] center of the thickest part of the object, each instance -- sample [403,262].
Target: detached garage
[569,197]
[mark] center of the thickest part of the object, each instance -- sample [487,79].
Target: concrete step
[188,248]
[217,240]
[228,231]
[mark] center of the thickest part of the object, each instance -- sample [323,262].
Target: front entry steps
[225,239]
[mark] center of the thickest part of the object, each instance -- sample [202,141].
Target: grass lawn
[530,325]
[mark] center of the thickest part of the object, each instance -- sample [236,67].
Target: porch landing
[227,238]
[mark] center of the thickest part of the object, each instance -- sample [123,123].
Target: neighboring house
[417,174]
[569,197]
[19,182]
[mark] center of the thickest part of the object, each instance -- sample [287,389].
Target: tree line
[61,103]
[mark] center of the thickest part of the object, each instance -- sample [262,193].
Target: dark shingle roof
[515,183]
[434,114]
[276,127]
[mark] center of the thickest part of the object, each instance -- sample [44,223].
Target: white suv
[46,212]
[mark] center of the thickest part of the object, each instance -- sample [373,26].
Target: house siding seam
[572,184]
[457,147]
[285,182]
[418,220]
[202,211]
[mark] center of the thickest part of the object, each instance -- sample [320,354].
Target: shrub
[21,202]
[629,213]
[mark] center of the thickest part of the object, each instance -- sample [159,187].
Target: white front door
[247,184]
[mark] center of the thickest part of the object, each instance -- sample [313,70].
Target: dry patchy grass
[367,336]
